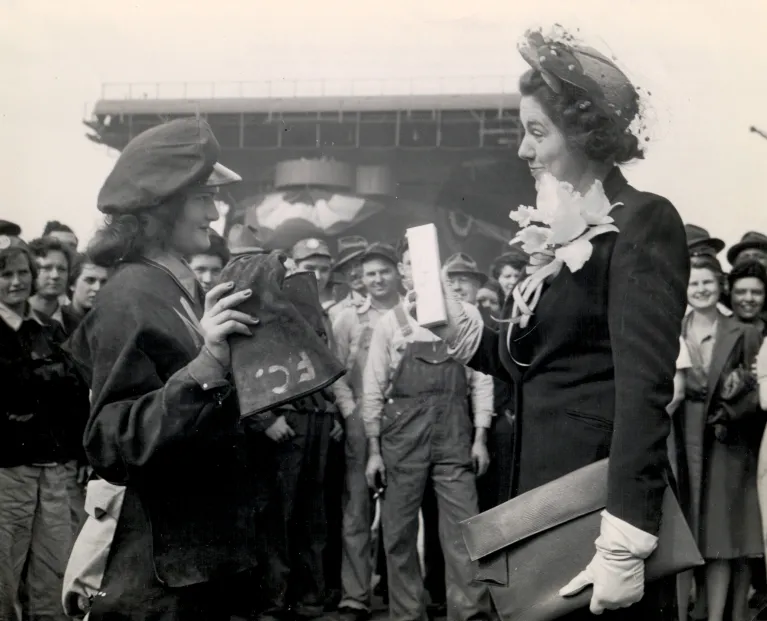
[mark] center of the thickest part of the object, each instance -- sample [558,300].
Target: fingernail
[247,292]
[229,285]
[253,320]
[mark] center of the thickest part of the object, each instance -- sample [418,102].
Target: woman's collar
[614,183]
[14,320]
[178,268]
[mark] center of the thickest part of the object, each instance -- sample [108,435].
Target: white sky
[705,63]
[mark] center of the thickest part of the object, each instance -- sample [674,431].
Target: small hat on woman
[161,162]
[699,242]
[561,62]
[750,240]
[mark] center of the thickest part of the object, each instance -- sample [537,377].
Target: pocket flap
[570,497]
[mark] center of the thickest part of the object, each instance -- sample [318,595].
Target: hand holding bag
[286,357]
[533,545]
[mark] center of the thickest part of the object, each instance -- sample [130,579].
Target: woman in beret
[164,422]
[594,368]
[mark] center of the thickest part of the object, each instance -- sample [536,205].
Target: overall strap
[402,321]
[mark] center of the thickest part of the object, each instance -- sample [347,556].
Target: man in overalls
[352,330]
[415,411]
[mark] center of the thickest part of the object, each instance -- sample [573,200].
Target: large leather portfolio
[531,546]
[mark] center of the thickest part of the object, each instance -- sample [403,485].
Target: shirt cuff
[466,333]
[483,420]
[619,535]
[372,428]
[207,371]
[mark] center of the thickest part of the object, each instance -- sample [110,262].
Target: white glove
[617,569]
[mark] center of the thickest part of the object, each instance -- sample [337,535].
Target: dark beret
[161,162]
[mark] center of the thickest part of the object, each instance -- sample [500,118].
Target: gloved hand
[617,569]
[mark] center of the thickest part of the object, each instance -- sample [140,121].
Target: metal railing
[320,87]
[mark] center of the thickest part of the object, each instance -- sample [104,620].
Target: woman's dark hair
[43,246]
[8,254]
[518,263]
[126,237]
[747,269]
[588,129]
[53,226]
[493,285]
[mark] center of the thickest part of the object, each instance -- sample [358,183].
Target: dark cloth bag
[285,358]
[533,545]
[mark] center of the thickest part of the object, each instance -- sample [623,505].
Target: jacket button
[390,401]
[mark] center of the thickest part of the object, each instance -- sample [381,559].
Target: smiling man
[352,330]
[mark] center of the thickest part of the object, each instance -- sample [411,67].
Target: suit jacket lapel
[727,336]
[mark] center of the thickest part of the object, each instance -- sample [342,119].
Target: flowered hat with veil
[564,62]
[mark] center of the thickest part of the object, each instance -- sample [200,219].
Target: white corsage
[556,232]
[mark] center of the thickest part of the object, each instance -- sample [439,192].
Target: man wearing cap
[313,255]
[295,550]
[752,246]
[416,414]
[349,270]
[352,330]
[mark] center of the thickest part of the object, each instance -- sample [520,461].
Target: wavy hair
[126,237]
[586,127]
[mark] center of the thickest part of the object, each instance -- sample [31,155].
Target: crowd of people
[125,463]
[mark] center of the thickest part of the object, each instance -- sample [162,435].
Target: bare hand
[279,431]
[337,432]
[375,466]
[481,457]
[220,320]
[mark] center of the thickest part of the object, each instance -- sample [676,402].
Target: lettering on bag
[302,370]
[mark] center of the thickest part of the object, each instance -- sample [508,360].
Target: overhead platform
[446,156]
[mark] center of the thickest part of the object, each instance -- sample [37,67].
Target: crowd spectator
[207,265]
[508,269]
[62,232]
[747,286]
[54,263]
[721,438]
[45,406]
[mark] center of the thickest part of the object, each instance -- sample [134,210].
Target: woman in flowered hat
[592,347]
[164,420]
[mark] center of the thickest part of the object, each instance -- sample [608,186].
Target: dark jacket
[161,426]
[44,399]
[738,421]
[602,347]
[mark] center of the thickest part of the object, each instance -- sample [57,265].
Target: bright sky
[705,62]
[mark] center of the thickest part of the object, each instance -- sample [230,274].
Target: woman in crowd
[44,411]
[747,286]
[164,421]
[508,269]
[594,369]
[722,432]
